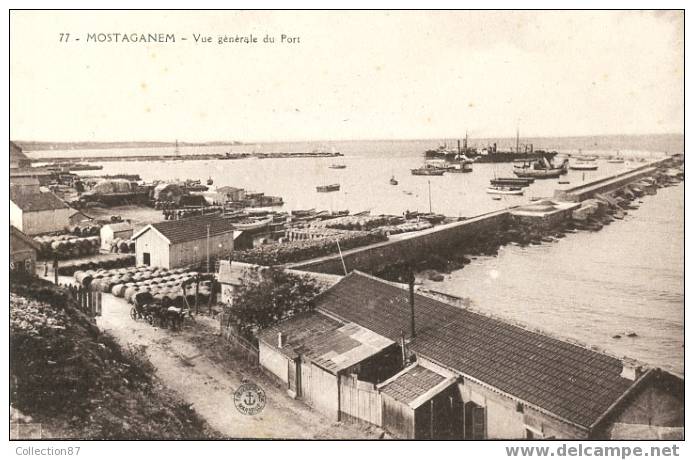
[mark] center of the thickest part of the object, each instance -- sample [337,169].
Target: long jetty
[412,247]
[186,157]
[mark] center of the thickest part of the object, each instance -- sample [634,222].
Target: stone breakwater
[451,246]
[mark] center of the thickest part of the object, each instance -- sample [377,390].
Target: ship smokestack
[458,146]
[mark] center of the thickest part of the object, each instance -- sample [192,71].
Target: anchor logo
[249,399]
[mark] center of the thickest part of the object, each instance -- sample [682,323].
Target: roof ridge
[529,328]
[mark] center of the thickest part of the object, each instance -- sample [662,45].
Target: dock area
[498,226]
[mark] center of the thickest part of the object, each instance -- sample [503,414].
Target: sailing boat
[393,180]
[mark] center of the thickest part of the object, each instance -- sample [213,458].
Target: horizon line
[232,141]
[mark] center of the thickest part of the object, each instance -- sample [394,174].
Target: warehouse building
[185,242]
[459,374]
[37,213]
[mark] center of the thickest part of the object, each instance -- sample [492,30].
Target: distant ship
[337,166]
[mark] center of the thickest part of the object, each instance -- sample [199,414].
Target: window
[145,258]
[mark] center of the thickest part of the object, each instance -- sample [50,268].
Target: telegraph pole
[208,248]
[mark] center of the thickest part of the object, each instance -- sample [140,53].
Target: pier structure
[416,246]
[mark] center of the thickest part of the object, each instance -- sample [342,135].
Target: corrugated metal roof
[570,381]
[331,344]
[42,201]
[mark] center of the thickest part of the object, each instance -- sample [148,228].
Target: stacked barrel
[147,284]
[67,246]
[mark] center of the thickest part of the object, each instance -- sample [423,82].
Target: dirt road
[201,368]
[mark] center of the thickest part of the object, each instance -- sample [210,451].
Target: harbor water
[592,286]
[589,287]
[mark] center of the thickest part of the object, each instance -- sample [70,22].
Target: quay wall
[607,184]
[414,247]
[407,248]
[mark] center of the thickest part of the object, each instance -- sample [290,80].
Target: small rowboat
[501,190]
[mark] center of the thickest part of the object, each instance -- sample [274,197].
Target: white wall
[37,222]
[274,362]
[157,247]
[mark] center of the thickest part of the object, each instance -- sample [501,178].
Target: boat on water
[431,168]
[512,181]
[616,159]
[210,181]
[461,166]
[583,164]
[539,169]
[337,166]
[328,188]
[504,190]
[393,181]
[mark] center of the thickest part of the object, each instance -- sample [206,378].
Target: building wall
[154,244]
[16,216]
[274,361]
[22,256]
[504,421]
[37,222]
[398,418]
[655,410]
[194,252]
[319,389]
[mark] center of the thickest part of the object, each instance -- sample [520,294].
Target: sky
[352,75]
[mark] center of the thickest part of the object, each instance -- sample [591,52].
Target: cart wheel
[133,313]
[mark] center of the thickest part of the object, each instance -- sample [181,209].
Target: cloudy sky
[353,75]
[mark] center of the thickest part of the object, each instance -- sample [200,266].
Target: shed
[331,365]
[184,242]
[36,213]
[422,403]
[110,232]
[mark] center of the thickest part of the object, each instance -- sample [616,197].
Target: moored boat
[504,190]
[337,166]
[328,188]
[393,181]
[512,181]
[539,169]
[583,165]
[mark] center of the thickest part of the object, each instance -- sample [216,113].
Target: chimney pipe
[410,275]
[281,339]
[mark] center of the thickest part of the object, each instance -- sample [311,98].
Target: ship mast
[517,139]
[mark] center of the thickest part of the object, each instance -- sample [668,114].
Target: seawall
[607,184]
[408,247]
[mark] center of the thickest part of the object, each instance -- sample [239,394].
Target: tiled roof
[191,229]
[412,384]
[43,201]
[331,344]
[572,382]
